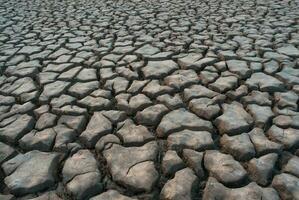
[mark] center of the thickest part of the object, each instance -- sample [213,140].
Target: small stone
[147,50]
[256,66]
[48,195]
[181,119]
[286,99]
[207,77]
[64,136]
[97,127]
[62,100]
[152,115]
[123,49]
[133,167]
[127,72]
[6,100]
[106,142]
[47,77]
[271,67]
[31,172]
[101,93]
[181,78]
[226,55]
[70,74]
[137,86]
[87,74]
[215,190]
[107,73]
[292,166]
[198,91]
[205,108]
[18,87]
[132,134]
[41,110]
[262,144]
[77,123]
[53,90]
[73,147]
[283,121]
[81,175]
[111,195]
[234,119]
[289,50]
[123,102]
[115,116]
[238,93]
[264,82]
[224,83]
[172,102]
[86,185]
[46,120]
[171,163]
[196,140]
[118,84]
[261,169]
[257,97]
[6,152]
[275,56]
[261,114]
[238,67]
[138,102]
[182,186]
[194,160]
[201,63]
[38,140]
[220,66]
[6,197]
[239,146]
[79,163]
[289,75]
[288,137]
[159,69]
[70,110]
[187,61]
[224,168]
[30,49]
[80,90]
[154,88]
[95,103]
[19,126]
[286,185]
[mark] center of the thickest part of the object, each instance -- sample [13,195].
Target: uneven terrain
[155,99]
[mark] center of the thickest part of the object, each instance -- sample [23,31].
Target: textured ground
[170,99]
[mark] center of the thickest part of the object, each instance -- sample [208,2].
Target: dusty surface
[170,99]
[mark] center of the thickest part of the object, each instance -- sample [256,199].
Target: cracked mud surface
[170,99]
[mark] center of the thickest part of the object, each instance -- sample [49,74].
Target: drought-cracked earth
[155,99]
